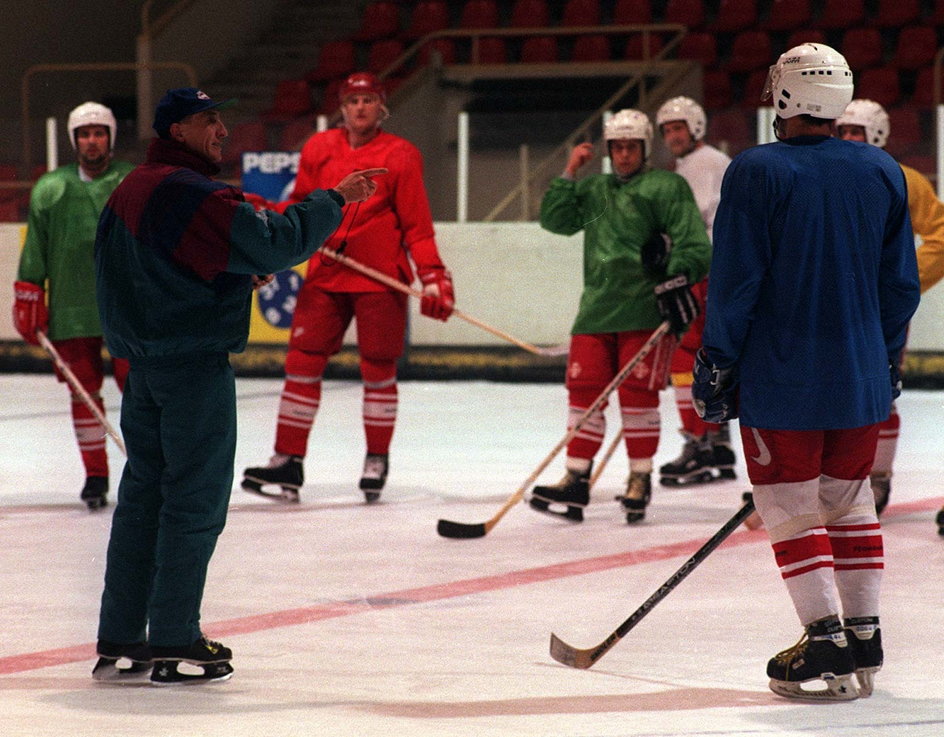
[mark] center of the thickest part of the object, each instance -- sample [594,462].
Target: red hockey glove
[438,296]
[29,310]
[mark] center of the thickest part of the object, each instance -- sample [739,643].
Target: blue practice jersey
[813,282]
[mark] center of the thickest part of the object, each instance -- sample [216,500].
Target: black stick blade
[460,530]
[569,655]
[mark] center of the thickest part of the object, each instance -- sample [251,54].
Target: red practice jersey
[395,220]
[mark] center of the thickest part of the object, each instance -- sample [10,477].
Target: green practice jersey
[60,242]
[617,219]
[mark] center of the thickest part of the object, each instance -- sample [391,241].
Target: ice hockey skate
[823,653]
[572,493]
[693,465]
[637,496]
[95,492]
[722,454]
[374,476]
[205,661]
[865,639]
[881,483]
[122,663]
[284,471]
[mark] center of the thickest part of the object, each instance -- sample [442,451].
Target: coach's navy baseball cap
[177,104]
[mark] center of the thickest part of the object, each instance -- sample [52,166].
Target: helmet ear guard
[629,124]
[809,79]
[92,113]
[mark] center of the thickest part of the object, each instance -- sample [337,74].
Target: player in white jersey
[706,454]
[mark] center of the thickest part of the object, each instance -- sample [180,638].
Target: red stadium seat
[840,14]
[735,15]
[329,98]
[927,165]
[788,15]
[294,134]
[753,88]
[880,84]
[489,50]
[796,38]
[750,50]
[862,48]
[699,46]
[591,47]
[905,131]
[381,20]
[636,46]
[630,12]
[924,88]
[895,13]
[445,48]
[382,54]
[581,13]
[915,47]
[716,86]
[336,59]
[248,136]
[689,13]
[530,14]
[427,16]
[539,50]
[479,14]
[292,99]
[936,17]
[731,129]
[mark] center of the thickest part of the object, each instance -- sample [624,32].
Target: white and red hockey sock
[887,443]
[298,405]
[380,414]
[806,565]
[90,436]
[641,426]
[589,437]
[859,556]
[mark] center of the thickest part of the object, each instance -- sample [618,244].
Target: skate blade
[287,494]
[838,688]
[120,670]
[703,477]
[168,673]
[866,680]
[371,496]
[570,513]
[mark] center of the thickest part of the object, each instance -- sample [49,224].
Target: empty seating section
[890,45]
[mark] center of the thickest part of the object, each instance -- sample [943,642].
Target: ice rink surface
[355,621]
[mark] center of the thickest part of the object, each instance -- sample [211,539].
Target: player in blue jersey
[813,282]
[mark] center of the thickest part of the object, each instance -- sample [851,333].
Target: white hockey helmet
[871,116]
[683,108]
[92,113]
[630,124]
[809,79]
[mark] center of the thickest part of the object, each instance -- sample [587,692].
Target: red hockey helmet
[362,83]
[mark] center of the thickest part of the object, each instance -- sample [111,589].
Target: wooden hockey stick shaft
[598,471]
[79,389]
[407,289]
[583,659]
[447,528]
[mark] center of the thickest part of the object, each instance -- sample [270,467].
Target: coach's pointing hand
[358,186]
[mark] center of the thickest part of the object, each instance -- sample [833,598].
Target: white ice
[349,620]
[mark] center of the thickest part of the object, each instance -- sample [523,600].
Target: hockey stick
[407,289]
[606,458]
[79,389]
[447,528]
[583,659]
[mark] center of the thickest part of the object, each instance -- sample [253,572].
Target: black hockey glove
[676,302]
[714,390]
[654,255]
